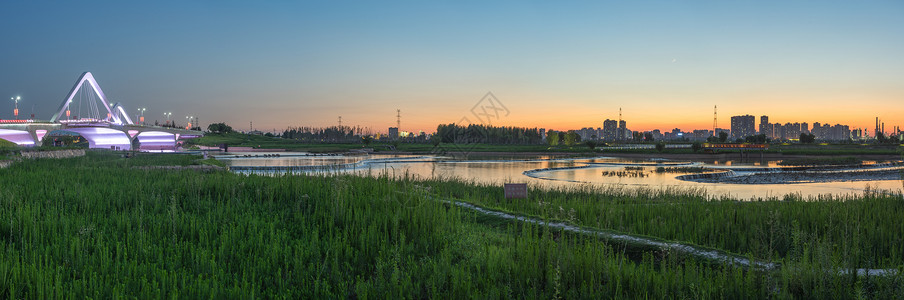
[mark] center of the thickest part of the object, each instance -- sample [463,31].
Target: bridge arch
[19,137]
[156,140]
[104,138]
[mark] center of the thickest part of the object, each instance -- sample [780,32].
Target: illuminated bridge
[86,112]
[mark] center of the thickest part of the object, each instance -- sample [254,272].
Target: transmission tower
[621,132]
[398,122]
[340,121]
[715,122]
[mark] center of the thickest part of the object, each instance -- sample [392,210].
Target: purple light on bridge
[20,137]
[99,137]
[156,141]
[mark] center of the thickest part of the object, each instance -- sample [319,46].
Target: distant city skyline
[554,66]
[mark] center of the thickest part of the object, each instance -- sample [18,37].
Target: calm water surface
[559,172]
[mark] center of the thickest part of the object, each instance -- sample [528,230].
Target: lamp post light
[16,110]
[141,115]
[168,115]
[189,121]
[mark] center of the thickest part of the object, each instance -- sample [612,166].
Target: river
[553,172]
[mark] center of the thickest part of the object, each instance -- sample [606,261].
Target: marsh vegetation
[98,226]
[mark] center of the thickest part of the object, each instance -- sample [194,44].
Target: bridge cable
[90,104]
[94,105]
[81,96]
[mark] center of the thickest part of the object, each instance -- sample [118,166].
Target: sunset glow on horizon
[553,65]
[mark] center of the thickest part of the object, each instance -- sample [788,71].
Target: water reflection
[551,171]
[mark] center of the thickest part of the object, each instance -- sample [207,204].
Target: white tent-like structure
[115,114]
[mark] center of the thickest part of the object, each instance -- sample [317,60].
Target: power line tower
[398,122]
[621,132]
[715,120]
[340,121]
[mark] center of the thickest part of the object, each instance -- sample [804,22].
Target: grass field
[97,227]
[836,149]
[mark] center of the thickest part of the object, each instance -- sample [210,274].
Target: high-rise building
[719,132]
[764,126]
[790,131]
[393,133]
[610,127]
[742,126]
[701,134]
[588,133]
[622,130]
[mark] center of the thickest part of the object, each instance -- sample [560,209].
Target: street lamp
[189,122]
[16,110]
[167,114]
[141,115]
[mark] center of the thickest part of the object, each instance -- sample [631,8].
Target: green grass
[762,229]
[235,139]
[820,161]
[212,162]
[835,149]
[96,227]
[8,149]
[7,144]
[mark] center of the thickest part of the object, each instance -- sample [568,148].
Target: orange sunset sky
[553,65]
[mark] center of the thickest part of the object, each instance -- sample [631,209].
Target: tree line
[324,134]
[478,133]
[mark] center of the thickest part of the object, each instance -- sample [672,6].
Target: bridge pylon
[116,115]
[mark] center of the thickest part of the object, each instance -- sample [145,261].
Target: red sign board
[515,190]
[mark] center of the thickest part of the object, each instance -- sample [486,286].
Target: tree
[807,138]
[696,147]
[136,145]
[723,136]
[478,133]
[571,138]
[882,139]
[436,140]
[591,144]
[757,139]
[660,146]
[637,135]
[552,137]
[367,139]
[219,128]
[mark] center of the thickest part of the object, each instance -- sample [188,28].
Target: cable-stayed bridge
[87,112]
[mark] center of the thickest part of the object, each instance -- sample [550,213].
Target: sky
[555,64]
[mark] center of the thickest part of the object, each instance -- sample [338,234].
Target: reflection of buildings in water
[498,172]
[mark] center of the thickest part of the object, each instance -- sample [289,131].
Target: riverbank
[164,232]
[806,177]
[753,156]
